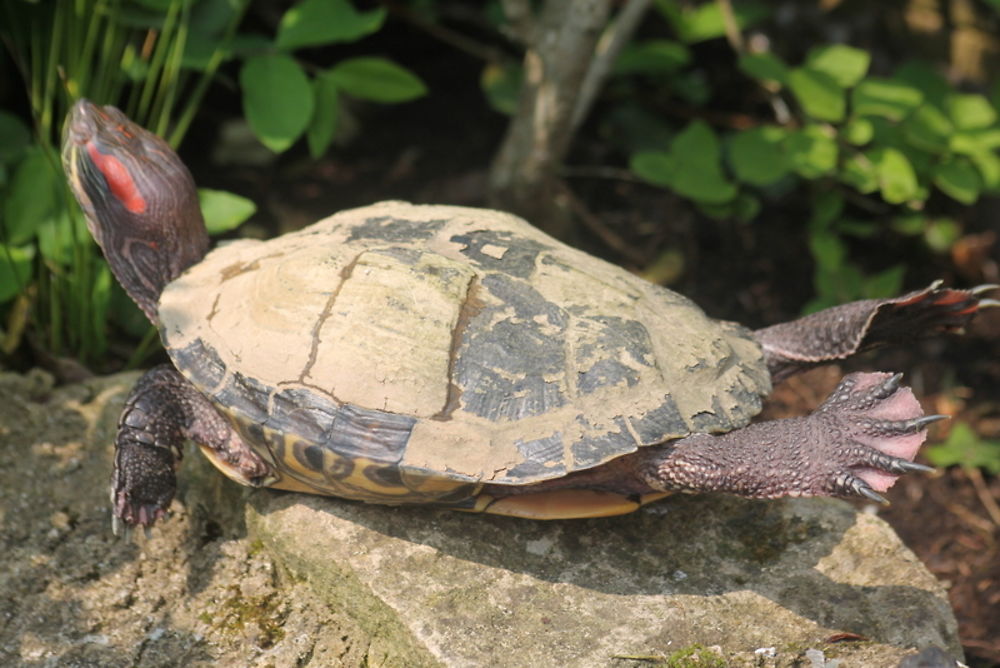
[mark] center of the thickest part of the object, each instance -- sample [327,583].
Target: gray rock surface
[322,582]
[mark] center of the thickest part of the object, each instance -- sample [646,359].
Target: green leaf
[970,112]
[928,129]
[223,210]
[827,249]
[965,448]
[858,131]
[657,167]
[757,155]
[859,172]
[896,177]
[818,93]
[502,86]
[32,198]
[277,100]
[704,22]
[811,151]
[958,179]
[845,64]
[653,56]
[885,97]
[57,237]
[924,78]
[988,165]
[316,22]
[969,142]
[323,124]
[884,284]
[764,66]
[909,224]
[377,79]
[827,207]
[15,269]
[14,137]
[941,234]
[697,152]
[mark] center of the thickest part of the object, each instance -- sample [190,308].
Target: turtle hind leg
[161,412]
[841,331]
[856,443]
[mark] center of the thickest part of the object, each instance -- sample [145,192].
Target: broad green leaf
[970,142]
[896,177]
[223,210]
[970,112]
[846,64]
[14,137]
[859,229]
[746,207]
[758,156]
[697,153]
[316,22]
[885,97]
[31,200]
[811,151]
[926,79]
[323,124]
[827,207]
[884,284]
[858,131]
[819,94]
[15,269]
[988,165]
[657,167]
[928,129]
[965,448]
[859,172]
[958,179]
[502,86]
[827,249]
[277,100]
[57,237]
[653,56]
[377,79]
[941,234]
[704,22]
[909,224]
[764,66]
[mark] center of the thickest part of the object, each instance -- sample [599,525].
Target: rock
[703,579]
[446,588]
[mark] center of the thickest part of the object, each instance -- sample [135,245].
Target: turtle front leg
[161,412]
[841,331]
[856,443]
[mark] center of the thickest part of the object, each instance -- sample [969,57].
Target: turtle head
[139,199]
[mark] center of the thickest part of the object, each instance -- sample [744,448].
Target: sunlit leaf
[223,210]
[845,64]
[818,93]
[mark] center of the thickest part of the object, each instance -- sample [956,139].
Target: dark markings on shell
[663,420]
[400,230]
[198,360]
[492,250]
[604,373]
[595,449]
[508,364]
[712,421]
[542,457]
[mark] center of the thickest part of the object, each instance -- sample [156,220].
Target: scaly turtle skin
[431,354]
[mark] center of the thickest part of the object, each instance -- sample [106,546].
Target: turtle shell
[400,353]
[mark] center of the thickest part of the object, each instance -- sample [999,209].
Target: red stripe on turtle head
[119,180]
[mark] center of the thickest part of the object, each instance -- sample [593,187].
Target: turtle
[461,358]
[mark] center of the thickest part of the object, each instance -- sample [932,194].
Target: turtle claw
[859,487]
[985,287]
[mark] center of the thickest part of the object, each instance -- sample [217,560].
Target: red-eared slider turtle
[460,357]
